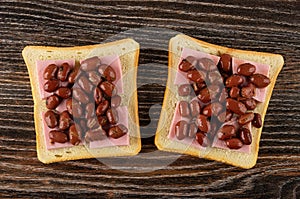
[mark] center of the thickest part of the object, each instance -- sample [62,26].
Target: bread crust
[128,52]
[231,157]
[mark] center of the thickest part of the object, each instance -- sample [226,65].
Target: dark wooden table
[271,26]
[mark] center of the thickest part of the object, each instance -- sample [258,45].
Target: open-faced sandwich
[85,100]
[216,100]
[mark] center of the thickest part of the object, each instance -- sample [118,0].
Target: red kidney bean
[235,106]
[64,92]
[85,84]
[246,81]
[225,62]
[216,108]
[192,130]
[215,77]
[201,85]
[101,69]
[98,95]
[193,60]
[94,77]
[64,120]
[92,123]
[102,107]
[63,72]
[196,76]
[51,119]
[214,91]
[108,88]
[102,120]
[106,127]
[225,116]
[123,127]
[245,136]
[52,101]
[73,75]
[195,108]
[57,136]
[212,109]
[90,64]
[234,81]
[117,131]
[225,75]
[203,123]
[246,69]
[200,136]
[259,80]
[76,109]
[112,116]
[234,143]
[181,129]
[195,88]
[248,91]
[74,135]
[207,64]
[51,85]
[115,101]
[187,64]
[244,119]
[82,124]
[109,74]
[69,106]
[250,104]
[184,109]
[50,72]
[234,92]
[90,110]
[226,132]
[241,99]
[80,95]
[204,95]
[229,115]
[184,90]
[257,120]
[95,135]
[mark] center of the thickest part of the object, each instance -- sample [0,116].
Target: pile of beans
[91,102]
[221,97]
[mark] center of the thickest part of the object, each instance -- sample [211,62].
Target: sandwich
[85,100]
[215,101]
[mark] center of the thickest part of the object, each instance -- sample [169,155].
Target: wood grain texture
[271,26]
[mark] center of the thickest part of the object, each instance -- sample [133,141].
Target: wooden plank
[271,26]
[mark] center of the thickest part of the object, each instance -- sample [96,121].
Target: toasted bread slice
[128,52]
[239,159]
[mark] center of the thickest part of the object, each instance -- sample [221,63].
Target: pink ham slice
[180,78]
[115,63]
